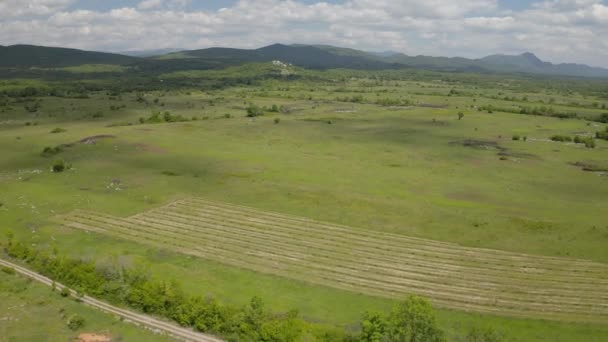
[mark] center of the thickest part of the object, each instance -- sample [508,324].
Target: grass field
[395,174]
[387,265]
[31,312]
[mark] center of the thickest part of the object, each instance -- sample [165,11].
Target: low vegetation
[410,320]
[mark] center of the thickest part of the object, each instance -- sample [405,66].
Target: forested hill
[307,56]
[54,57]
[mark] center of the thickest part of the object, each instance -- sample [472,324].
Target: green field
[385,156]
[31,312]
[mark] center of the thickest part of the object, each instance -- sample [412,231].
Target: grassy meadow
[31,312]
[379,155]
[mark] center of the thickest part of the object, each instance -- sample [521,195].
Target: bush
[51,151]
[253,111]
[603,118]
[59,165]
[602,135]
[58,130]
[460,115]
[561,138]
[76,322]
[516,137]
[589,143]
[65,292]
[277,121]
[8,270]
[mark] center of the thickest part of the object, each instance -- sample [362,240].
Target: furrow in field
[367,261]
[398,241]
[415,252]
[350,283]
[406,285]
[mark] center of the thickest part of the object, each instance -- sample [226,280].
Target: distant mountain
[325,56]
[529,63]
[525,60]
[150,53]
[385,54]
[307,56]
[52,57]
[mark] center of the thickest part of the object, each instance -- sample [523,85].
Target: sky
[555,30]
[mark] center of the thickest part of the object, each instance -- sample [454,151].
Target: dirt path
[171,329]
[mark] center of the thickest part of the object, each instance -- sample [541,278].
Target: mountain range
[307,56]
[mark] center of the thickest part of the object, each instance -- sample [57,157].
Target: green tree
[286,328]
[460,115]
[413,320]
[373,327]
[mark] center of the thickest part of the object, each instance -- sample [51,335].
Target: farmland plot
[374,263]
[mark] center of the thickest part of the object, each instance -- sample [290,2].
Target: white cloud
[559,30]
[21,8]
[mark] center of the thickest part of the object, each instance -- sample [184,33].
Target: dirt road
[137,318]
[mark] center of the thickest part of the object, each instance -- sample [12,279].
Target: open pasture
[453,209]
[374,263]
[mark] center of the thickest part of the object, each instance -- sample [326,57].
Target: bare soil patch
[590,166]
[93,139]
[480,144]
[91,337]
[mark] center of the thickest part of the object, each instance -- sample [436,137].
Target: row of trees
[411,320]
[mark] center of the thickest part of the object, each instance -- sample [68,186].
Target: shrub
[277,121]
[602,135]
[589,143]
[8,270]
[76,322]
[58,130]
[460,115]
[65,292]
[59,165]
[561,138]
[51,151]
[516,137]
[254,110]
[603,118]
[525,138]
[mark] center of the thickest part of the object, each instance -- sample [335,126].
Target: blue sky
[556,30]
